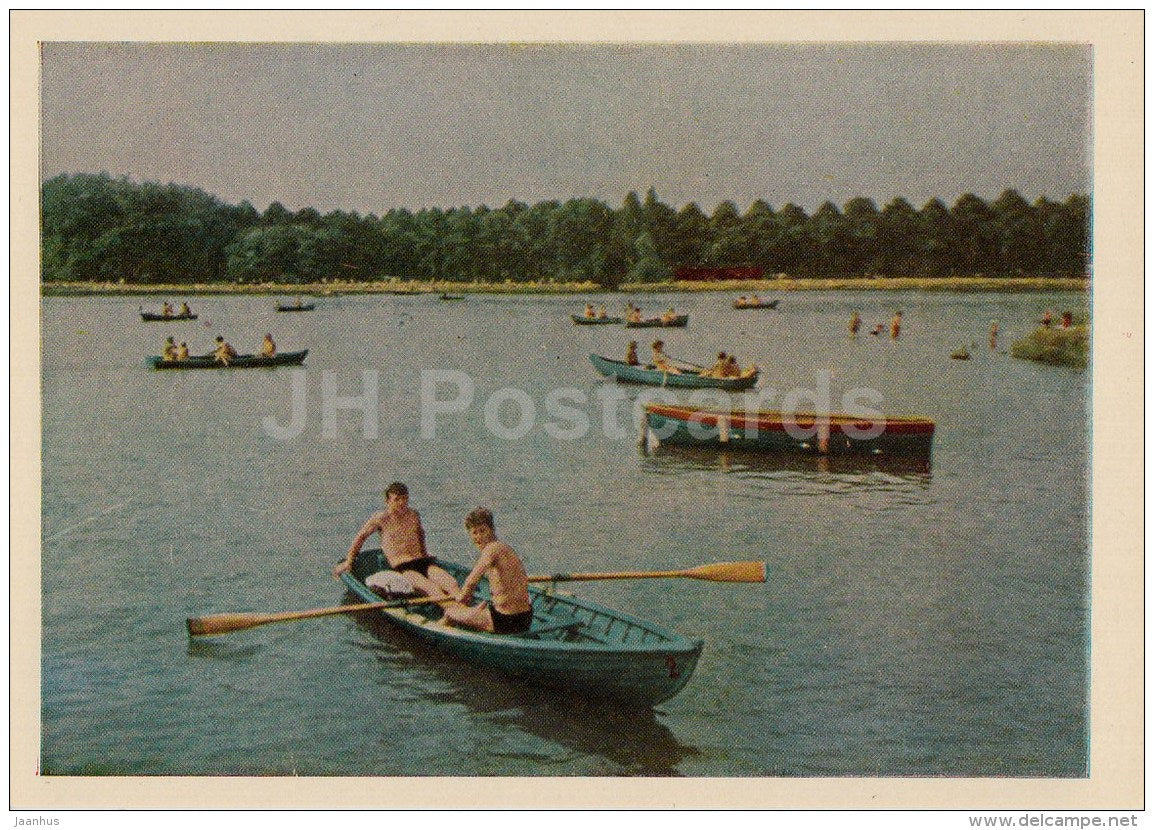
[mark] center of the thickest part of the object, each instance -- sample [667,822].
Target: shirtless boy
[403,542]
[509,610]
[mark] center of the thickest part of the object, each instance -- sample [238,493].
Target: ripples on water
[925,617]
[904,479]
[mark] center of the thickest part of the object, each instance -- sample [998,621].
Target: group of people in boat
[752,300]
[175,352]
[509,609]
[728,367]
[876,331]
[725,367]
[599,314]
[633,315]
[166,310]
[222,352]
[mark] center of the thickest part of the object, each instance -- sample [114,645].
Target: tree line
[98,228]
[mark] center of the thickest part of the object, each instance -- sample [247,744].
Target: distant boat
[582,320]
[687,379]
[738,304]
[148,317]
[678,322]
[804,432]
[451,297]
[296,307]
[241,361]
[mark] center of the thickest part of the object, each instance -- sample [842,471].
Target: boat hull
[747,306]
[574,645]
[160,318]
[244,361]
[595,321]
[624,373]
[308,307]
[788,432]
[679,322]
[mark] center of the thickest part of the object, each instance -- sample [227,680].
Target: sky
[371,127]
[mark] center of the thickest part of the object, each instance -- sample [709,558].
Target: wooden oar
[687,363]
[227,623]
[719,572]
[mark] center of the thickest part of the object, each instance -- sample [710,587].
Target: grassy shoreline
[956,284]
[1055,346]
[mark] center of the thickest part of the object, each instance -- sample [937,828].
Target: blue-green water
[920,619]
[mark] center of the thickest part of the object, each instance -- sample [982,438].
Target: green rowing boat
[573,644]
[149,317]
[686,379]
[241,361]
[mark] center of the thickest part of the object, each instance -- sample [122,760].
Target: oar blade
[729,572]
[223,623]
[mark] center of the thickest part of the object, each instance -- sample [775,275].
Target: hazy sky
[369,127]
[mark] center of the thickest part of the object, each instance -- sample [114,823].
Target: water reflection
[221,648]
[670,459]
[631,741]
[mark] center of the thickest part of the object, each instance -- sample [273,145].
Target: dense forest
[104,229]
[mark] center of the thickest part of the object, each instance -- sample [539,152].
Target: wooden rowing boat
[582,320]
[241,361]
[149,317]
[650,376]
[746,305]
[573,644]
[448,297]
[678,322]
[789,431]
[296,307]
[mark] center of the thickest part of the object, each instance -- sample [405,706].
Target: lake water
[920,618]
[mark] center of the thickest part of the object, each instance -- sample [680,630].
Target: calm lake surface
[920,618]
